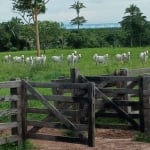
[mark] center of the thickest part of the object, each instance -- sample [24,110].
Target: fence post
[74,73]
[17,117]
[24,111]
[91,114]
[124,72]
[145,100]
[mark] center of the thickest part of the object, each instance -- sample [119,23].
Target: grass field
[51,70]
[86,65]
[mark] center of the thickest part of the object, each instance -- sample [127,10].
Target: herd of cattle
[72,58]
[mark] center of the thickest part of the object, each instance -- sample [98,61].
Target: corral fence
[123,95]
[31,109]
[72,105]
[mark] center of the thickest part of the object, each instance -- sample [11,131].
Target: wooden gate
[118,96]
[31,107]
[58,118]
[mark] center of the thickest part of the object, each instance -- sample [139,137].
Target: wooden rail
[72,104]
[61,115]
[13,124]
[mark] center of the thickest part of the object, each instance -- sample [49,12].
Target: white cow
[7,58]
[100,59]
[18,59]
[57,59]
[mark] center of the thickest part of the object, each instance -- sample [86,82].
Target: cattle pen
[74,104]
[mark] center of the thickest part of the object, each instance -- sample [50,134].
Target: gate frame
[90,140]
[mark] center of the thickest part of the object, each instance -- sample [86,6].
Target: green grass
[51,71]
[143,137]
[26,146]
[86,66]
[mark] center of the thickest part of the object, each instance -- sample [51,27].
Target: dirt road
[105,139]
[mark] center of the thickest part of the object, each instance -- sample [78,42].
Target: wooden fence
[122,95]
[10,112]
[72,105]
[60,118]
[26,119]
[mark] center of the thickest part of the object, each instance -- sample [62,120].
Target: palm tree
[79,20]
[133,23]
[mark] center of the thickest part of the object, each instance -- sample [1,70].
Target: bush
[13,49]
[144,137]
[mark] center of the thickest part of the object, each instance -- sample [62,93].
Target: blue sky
[96,11]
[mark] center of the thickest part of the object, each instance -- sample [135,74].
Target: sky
[96,11]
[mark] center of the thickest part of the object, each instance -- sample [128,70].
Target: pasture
[86,64]
[51,70]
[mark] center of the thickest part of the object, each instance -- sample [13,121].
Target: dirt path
[106,139]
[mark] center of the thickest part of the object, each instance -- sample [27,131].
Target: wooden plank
[8,125]
[139,71]
[119,91]
[52,109]
[58,85]
[8,112]
[58,138]
[109,79]
[114,126]
[9,139]
[60,98]
[10,84]
[9,98]
[102,84]
[115,115]
[66,80]
[58,125]
[45,111]
[126,103]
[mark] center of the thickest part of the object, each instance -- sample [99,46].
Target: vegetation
[17,39]
[17,36]
[29,10]
[79,20]
[86,65]
[27,146]
[134,25]
[143,137]
[52,71]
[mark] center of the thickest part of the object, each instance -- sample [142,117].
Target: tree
[79,20]
[134,24]
[49,34]
[29,11]
[5,38]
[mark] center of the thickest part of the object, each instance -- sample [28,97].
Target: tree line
[19,35]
